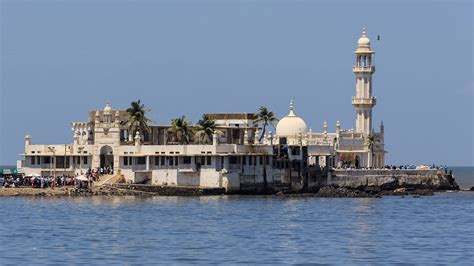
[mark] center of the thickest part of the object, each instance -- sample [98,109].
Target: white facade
[233,158]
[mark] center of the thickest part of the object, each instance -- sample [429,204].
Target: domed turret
[363,44]
[291,124]
[107,109]
[363,41]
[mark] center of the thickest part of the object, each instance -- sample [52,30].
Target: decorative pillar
[256,137]
[246,137]
[117,117]
[215,140]
[325,130]
[309,136]
[97,118]
[138,141]
[147,163]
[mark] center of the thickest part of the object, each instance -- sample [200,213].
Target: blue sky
[60,59]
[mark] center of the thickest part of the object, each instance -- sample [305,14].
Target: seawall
[317,182]
[384,180]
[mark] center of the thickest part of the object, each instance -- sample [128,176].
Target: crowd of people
[79,180]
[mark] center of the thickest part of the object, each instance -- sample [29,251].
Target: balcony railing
[371,101]
[363,68]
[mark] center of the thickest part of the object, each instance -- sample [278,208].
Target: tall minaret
[363,101]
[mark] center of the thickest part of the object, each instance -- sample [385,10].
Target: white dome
[107,109]
[291,124]
[363,41]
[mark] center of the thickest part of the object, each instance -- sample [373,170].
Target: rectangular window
[209,160]
[125,160]
[84,159]
[157,160]
[176,161]
[233,160]
[141,160]
[60,162]
[32,160]
[236,135]
[46,159]
[202,159]
[186,160]
[261,160]
[163,160]
[244,160]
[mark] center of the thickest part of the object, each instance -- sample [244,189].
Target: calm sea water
[237,229]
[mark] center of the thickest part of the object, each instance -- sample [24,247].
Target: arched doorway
[106,157]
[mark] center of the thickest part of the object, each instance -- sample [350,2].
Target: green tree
[137,118]
[371,140]
[265,117]
[180,131]
[205,128]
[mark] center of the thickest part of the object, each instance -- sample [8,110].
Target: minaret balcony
[364,101]
[363,69]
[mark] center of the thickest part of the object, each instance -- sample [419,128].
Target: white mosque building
[233,157]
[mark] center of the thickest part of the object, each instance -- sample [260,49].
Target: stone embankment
[112,190]
[367,192]
[377,183]
[29,191]
[337,183]
[432,179]
[150,190]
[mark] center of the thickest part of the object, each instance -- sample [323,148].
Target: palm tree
[371,140]
[266,118]
[180,131]
[137,118]
[206,127]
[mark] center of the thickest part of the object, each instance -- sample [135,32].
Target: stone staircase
[109,180]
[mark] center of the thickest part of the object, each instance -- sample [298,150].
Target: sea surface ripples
[237,229]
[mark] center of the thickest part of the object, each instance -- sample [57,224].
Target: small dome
[291,124]
[107,109]
[363,41]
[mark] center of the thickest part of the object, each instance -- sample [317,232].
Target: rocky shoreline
[147,191]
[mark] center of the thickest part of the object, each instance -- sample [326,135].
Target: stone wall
[314,179]
[392,179]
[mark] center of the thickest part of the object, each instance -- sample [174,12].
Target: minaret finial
[364,31]
[292,106]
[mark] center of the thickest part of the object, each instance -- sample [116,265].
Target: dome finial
[292,106]
[364,31]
